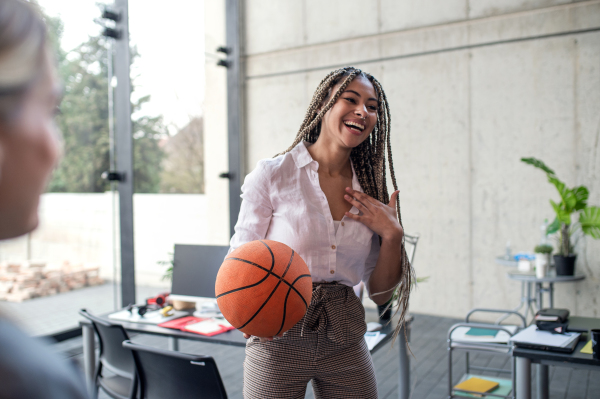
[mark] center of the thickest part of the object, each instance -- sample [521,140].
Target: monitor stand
[207,309]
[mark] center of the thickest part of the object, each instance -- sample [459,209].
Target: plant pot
[384,317]
[565,265]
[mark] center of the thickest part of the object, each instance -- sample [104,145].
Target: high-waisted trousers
[326,347]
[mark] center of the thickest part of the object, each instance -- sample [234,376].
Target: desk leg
[542,381]
[404,369]
[89,357]
[174,344]
[523,388]
[528,301]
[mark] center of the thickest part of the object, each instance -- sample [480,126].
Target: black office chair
[115,367]
[168,374]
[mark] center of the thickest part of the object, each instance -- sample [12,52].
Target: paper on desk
[531,335]
[150,317]
[372,338]
[587,348]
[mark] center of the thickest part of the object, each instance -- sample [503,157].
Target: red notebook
[199,325]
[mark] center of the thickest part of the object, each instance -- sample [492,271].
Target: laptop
[532,338]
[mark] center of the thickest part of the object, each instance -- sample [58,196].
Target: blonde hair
[23,40]
[368,158]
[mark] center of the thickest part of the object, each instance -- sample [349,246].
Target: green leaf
[553,227]
[569,200]
[562,215]
[589,219]
[581,195]
[538,164]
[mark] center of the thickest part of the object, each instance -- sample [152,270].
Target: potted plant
[572,201]
[542,259]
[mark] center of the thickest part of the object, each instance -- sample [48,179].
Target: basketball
[263,288]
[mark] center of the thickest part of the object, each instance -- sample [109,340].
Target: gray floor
[428,343]
[428,366]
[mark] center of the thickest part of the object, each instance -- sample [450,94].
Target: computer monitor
[195,269]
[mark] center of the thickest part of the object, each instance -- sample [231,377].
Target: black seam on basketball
[286,299]
[284,310]
[269,273]
[251,285]
[286,295]
[254,264]
[274,289]
[294,288]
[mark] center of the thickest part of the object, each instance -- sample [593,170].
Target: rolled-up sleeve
[371,261]
[256,209]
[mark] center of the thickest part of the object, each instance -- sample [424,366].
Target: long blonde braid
[368,158]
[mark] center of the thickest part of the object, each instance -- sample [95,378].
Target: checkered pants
[326,347]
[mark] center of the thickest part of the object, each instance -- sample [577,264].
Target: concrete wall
[473,86]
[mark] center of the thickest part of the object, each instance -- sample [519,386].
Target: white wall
[473,86]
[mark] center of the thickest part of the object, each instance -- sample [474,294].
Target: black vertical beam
[234,109]
[124,152]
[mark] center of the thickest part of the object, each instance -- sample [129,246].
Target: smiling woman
[326,197]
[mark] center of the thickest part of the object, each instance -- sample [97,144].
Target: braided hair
[368,158]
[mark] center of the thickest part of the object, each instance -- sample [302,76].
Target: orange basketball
[263,288]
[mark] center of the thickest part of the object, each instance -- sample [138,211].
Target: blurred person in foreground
[29,95]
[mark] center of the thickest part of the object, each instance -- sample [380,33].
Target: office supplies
[550,314]
[373,337]
[204,326]
[504,387]
[587,348]
[482,332]
[461,334]
[477,384]
[150,317]
[533,338]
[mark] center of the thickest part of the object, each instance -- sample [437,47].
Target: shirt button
[333,247]
[342,223]
[331,272]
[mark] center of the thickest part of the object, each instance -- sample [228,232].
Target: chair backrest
[113,356]
[168,374]
[410,244]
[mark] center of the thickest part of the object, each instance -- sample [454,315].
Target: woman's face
[28,153]
[353,116]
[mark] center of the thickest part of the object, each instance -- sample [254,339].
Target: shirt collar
[301,155]
[302,158]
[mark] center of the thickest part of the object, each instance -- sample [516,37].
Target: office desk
[576,359]
[233,337]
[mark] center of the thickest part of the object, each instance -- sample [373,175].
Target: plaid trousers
[326,347]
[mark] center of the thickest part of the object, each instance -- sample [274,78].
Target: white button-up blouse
[283,201]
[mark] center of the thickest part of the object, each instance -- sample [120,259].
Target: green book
[482,332]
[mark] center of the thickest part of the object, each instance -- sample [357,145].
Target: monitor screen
[195,271]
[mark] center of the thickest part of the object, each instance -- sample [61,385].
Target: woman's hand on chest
[379,217]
